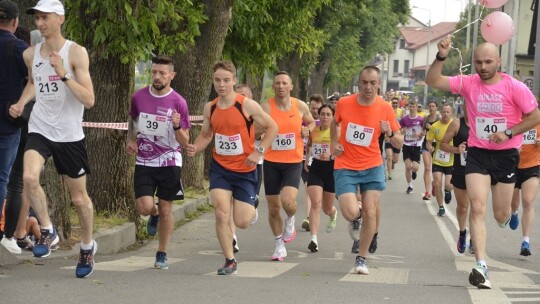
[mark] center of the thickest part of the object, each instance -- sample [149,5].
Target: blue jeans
[9,144]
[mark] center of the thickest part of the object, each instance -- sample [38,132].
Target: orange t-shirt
[360,131]
[288,146]
[530,151]
[234,135]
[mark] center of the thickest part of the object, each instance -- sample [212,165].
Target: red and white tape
[124,125]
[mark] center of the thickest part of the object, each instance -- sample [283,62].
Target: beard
[158,86]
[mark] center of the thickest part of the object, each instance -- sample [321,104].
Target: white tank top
[57,114]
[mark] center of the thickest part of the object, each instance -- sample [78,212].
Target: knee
[81,200]
[273,210]
[30,181]
[242,223]
[328,210]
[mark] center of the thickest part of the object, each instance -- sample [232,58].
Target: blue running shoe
[85,267]
[360,265]
[525,251]
[441,212]
[462,241]
[447,197]
[514,221]
[161,260]
[152,225]
[409,190]
[42,248]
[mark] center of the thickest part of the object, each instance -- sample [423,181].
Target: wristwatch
[67,77]
[508,133]
[391,135]
[260,149]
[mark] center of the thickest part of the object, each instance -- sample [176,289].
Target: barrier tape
[124,125]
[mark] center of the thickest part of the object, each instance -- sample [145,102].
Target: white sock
[481,263]
[50,228]
[314,238]
[87,246]
[515,213]
[410,184]
[526,239]
[279,237]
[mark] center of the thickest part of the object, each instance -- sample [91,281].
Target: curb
[109,241]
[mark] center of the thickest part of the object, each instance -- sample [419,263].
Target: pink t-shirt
[493,108]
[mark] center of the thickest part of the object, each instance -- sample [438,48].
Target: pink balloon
[492,3]
[497,27]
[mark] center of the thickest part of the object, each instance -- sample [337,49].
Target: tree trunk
[255,83]
[291,63]
[194,76]
[110,183]
[318,76]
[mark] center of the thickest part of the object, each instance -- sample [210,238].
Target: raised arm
[434,77]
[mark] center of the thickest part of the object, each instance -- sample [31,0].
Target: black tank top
[461,136]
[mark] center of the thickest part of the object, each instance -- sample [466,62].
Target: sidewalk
[111,240]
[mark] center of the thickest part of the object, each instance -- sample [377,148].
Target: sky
[441,10]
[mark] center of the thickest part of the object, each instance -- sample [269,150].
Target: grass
[102,220]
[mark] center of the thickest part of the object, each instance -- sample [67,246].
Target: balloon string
[473,22]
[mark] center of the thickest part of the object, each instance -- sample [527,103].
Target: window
[406,68]
[401,43]
[396,68]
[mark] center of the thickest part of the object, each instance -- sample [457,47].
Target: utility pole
[475,37]
[536,83]
[468,42]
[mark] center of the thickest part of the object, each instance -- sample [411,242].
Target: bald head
[487,62]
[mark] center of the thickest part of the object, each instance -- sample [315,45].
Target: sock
[526,239]
[481,263]
[279,237]
[410,184]
[515,213]
[462,232]
[50,228]
[87,246]
[314,238]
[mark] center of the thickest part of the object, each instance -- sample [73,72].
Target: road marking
[261,269]
[338,256]
[379,275]
[132,263]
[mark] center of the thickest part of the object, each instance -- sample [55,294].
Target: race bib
[442,156]
[50,88]
[411,135]
[228,145]
[488,126]
[529,137]
[359,135]
[284,142]
[318,149]
[150,124]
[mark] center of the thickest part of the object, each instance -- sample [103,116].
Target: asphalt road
[416,262]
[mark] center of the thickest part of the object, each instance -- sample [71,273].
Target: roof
[415,37]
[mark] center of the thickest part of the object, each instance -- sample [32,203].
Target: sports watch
[508,133]
[67,77]
[260,149]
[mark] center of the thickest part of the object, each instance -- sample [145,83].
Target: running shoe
[290,231]
[427,196]
[152,225]
[85,266]
[462,241]
[413,175]
[447,197]
[161,260]
[441,212]
[409,190]
[42,248]
[256,217]
[313,246]
[235,245]
[25,243]
[360,265]
[373,245]
[11,245]
[228,268]
[514,221]
[389,176]
[525,251]
[355,247]
[471,247]
[280,252]
[305,224]
[354,229]
[479,277]
[331,223]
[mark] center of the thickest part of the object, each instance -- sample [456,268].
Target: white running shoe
[290,231]
[11,245]
[280,252]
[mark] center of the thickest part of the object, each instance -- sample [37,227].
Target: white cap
[47,6]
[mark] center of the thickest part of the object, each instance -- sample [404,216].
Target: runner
[411,128]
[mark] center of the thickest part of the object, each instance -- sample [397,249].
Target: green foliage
[359,30]
[134,30]
[263,30]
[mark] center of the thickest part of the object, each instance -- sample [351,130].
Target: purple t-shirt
[493,108]
[152,115]
[413,129]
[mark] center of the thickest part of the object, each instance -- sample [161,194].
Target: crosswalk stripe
[379,275]
[261,269]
